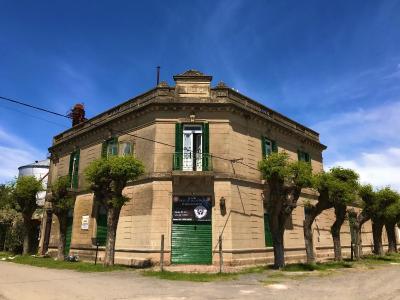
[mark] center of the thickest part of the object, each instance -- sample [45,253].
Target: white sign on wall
[85,223]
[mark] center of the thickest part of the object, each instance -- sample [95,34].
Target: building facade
[200,146]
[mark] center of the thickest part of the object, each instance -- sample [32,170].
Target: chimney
[77,114]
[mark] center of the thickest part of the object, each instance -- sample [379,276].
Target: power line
[32,116]
[91,123]
[34,107]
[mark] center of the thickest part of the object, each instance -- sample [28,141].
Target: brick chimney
[77,114]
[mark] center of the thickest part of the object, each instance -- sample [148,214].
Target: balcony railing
[191,161]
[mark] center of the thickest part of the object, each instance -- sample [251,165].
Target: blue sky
[331,65]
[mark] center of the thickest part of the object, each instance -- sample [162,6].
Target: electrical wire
[91,123]
[32,116]
[34,107]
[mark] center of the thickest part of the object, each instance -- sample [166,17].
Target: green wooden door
[68,235]
[191,243]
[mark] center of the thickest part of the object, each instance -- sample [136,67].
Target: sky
[333,66]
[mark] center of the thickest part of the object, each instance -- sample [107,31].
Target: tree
[62,201]
[24,196]
[344,192]
[336,189]
[108,177]
[367,201]
[390,216]
[322,183]
[285,181]
[6,213]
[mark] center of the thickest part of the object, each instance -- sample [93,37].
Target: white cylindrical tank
[39,169]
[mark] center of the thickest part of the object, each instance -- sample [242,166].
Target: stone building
[200,146]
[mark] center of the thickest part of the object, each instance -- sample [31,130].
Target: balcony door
[192,148]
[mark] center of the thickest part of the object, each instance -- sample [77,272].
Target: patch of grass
[379,260]
[47,262]
[5,254]
[317,266]
[203,277]
[198,277]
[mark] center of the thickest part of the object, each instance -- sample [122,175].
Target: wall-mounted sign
[191,208]
[85,223]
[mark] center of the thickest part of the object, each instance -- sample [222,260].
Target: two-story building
[200,146]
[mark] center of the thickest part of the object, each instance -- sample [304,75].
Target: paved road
[26,282]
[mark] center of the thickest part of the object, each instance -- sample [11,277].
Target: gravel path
[26,282]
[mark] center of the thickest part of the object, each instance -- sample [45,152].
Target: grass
[48,262]
[198,277]
[369,260]
[317,267]
[203,277]
[287,273]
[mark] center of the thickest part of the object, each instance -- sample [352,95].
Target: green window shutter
[267,232]
[264,153]
[308,158]
[71,166]
[298,155]
[178,138]
[104,149]
[75,181]
[206,146]
[178,156]
[274,146]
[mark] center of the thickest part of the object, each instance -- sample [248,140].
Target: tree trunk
[62,220]
[391,234]
[340,213]
[377,227]
[112,223]
[277,232]
[310,213]
[308,237]
[27,219]
[358,221]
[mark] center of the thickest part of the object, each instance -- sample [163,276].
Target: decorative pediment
[192,76]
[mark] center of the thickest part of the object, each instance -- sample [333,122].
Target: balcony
[192,162]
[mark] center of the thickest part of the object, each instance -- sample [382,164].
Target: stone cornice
[163,98]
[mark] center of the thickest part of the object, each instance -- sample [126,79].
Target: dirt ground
[27,282]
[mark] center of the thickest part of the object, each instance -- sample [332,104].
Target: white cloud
[379,169]
[15,152]
[363,130]
[366,140]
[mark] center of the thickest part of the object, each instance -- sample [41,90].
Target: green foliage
[278,166]
[61,198]
[14,233]
[109,176]
[368,196]
[341,184]
[388,205]
[24,194]
[5,196]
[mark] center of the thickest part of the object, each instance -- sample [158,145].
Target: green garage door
[68,235]
[191,243]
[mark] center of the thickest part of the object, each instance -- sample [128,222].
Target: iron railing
[191,161]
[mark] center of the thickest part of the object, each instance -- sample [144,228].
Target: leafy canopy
[5,196]
[109,176]
[61,199]
[278,166]
[387,206]
[341,185]
[24,193]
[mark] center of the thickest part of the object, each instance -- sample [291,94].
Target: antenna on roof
[158,75]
